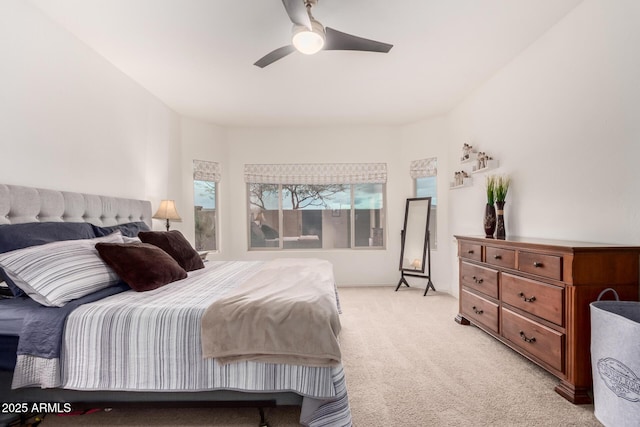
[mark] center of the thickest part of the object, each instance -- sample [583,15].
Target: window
[424,172]
[329,206]
[206,176]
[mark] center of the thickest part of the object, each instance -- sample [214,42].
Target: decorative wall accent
[468,152]
[479,161]
[484,162]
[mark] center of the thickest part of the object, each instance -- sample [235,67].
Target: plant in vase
[490,209]
[502,183]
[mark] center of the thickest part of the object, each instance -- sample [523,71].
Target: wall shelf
[491,164]
[471,158]
[466,182]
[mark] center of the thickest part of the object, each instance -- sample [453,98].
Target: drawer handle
[532,299]
[525,339]
[470,251]
[476,311]
[497,257]
[537,264]
[478,281]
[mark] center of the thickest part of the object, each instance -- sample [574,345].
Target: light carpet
[407,363]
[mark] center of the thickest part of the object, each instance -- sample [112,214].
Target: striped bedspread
[150,341]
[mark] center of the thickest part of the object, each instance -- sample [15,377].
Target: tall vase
[489,220]
[500,232]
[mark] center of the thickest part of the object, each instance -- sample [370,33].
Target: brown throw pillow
[175,244]
[142,266]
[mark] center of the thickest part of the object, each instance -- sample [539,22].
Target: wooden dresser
[533,295]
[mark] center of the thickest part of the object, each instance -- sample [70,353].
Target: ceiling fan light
[308,41]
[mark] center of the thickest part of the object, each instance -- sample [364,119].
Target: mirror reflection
[415,234]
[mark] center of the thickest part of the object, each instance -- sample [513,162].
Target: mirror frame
[425,247]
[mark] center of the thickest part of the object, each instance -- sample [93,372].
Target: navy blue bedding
[130,229]
[12,314]
[42,327]
[27,327]
[8,352]
[19,236]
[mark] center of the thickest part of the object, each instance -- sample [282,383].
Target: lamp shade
[167,210]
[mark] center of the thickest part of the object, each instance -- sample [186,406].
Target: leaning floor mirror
[415,251]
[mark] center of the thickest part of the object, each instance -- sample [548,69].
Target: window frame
[352,219]
[209,172]
[427,168]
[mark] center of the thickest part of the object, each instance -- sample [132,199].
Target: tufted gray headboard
[20,204]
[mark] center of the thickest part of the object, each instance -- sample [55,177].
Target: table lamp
[167,210]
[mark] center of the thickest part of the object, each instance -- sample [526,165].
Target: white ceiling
[197,55]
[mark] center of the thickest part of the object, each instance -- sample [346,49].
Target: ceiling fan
[310,36]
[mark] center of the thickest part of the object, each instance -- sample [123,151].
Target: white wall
[320,145]
[200,141]
[69,120]
[562,119]
[395,146]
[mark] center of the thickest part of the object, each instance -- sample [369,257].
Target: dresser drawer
[541,342]
[543,265]
[540,299]
[480,278]
[479,310]
[471,251]
[501,257]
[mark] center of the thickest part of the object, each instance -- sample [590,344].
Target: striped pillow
[56,273]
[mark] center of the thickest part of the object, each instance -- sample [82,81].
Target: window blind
[316,173]
[206,171]
[424,167]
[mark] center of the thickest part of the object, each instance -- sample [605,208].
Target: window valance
[206,171]
[424,167]
[316,173]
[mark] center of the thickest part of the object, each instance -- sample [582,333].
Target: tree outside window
[327,216]
[205,215]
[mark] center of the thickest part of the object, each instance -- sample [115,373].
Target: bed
[210,336]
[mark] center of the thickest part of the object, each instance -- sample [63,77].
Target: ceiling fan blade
[274,56]
[337,40]
[297,12]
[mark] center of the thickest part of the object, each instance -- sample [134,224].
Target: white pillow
[55,273]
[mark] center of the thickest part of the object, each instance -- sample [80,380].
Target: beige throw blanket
[286,313]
